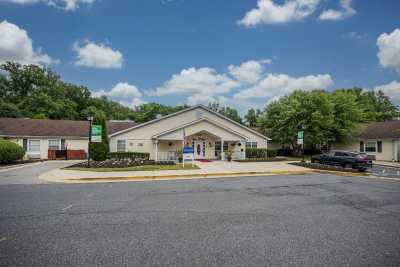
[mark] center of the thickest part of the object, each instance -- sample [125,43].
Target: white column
[222,150]
[156,156]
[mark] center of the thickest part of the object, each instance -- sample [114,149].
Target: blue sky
[243,53]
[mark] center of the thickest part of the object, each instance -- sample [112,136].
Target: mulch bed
[120,163]
[261,160]
[319,166]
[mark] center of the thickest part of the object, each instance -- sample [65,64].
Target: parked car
[345,159]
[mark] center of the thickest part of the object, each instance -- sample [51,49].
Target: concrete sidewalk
[207,170]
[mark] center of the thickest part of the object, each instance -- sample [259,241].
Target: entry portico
[210,134]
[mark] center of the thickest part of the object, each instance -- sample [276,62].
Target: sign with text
[300,137]
[188,150]
[96,133]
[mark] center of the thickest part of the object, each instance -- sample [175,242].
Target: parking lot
[296,220]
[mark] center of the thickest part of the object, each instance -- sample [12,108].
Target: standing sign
[187,154]
[96,133]
[300,138]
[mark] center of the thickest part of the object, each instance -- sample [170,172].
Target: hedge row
[10,152]
[260,153]
[129,155]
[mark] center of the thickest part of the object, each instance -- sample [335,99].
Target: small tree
[99,151]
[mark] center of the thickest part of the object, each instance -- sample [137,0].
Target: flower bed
[262,159]
[120,163]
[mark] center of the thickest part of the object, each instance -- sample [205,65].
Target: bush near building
[10,152]
[260,153]
[99,151]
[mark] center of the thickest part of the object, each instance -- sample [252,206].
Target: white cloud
[249,71]
[15,45]
[268,12]
[68,5]
[276,85]
[97,56]
[389,50]
[205,99]
[345,11]
[391,90]
[126,94]
[204,81]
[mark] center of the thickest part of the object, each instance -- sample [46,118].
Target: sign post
[187,154]
[300,141]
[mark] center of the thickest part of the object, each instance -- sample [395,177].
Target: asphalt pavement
[297,220]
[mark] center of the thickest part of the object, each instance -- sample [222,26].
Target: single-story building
[211,135]
[40,137]
[378,139]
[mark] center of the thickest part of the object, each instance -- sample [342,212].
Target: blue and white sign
[188,150]
[188,154]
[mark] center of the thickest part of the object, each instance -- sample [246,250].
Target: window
[251,144]
[121,145]
[54,144]
[34,146]
[370,146]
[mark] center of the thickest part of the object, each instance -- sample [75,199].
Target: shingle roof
[386,129]
[57,128]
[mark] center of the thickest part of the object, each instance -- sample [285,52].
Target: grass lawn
[138,168]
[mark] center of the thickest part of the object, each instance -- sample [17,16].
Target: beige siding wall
[140,139]
[75,144]
[386,154]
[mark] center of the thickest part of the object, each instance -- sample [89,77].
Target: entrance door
[199,149]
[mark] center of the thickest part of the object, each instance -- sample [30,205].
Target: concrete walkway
[387,163]
[207,170]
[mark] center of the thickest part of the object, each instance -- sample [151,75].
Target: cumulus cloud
[345,11]
[389,50]
[15,45]
[94,55]
[68,5]
[204,81]
[392,90]
[125,93]
[276,85]
[268,12]
[249,71]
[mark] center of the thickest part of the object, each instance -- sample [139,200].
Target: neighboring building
[209,133]
[379,139]
[39,136]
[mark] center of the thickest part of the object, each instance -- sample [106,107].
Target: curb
[171,177]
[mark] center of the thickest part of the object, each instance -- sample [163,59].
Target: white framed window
[54,144]
[121,145]
[34,146]
[370,146]
[251,144]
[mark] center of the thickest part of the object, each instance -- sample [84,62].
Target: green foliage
[260,153]
[9,110]
[129,155]
[252,117]
[99,151]
[10,152]
[228,112]
[150,111]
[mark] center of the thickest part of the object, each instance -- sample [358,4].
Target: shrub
[129,155]
[260,153]
[10,152]
[99,151]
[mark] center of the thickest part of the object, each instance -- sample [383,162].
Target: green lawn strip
[138,168]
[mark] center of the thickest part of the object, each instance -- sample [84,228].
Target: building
[211,134]
[40,137]
[378,139]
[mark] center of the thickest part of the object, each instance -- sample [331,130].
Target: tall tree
[252,116]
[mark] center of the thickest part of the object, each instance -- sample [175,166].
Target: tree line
[38,92]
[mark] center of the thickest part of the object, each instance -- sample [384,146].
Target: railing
[167,155]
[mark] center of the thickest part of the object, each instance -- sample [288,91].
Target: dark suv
[345,159]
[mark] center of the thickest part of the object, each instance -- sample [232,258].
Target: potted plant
[179,155]
[228,155]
